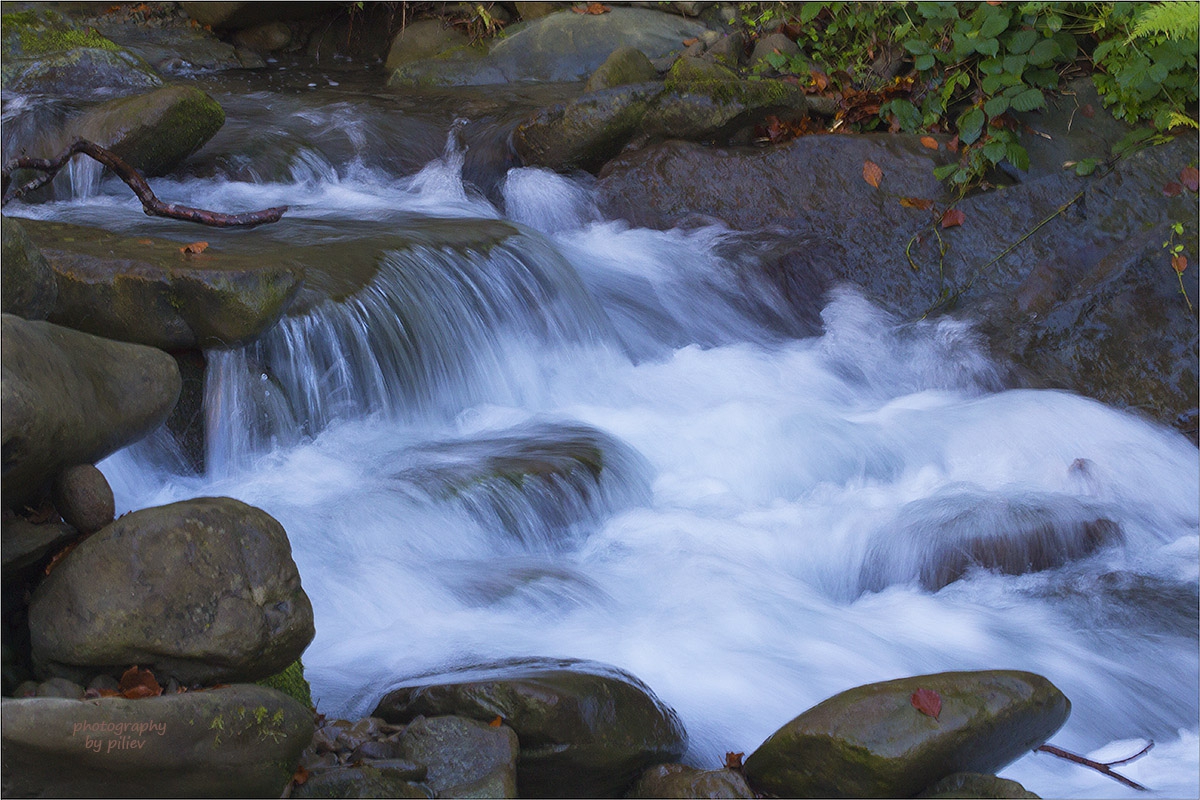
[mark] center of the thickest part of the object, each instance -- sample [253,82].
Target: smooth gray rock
[209,593]
[73,398]
[83,498]
[236,741]
[682,781]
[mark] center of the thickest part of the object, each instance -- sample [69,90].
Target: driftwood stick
[1105,769]
[150,203]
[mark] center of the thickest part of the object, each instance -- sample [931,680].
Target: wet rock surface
[681,781]
[585,729]
[872,741]
[29,288]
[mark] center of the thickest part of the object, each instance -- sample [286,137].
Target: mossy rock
[44,53]
[152,132]
[974,786]
[624,66]
[29,289]
[292,683]
[872,741]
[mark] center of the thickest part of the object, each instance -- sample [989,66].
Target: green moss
[693,76]
[39,33]
[292,683]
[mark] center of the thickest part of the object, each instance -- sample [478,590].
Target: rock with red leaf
[884,739]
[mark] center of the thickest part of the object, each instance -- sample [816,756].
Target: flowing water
[532,431]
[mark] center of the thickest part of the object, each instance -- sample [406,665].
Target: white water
[767,506]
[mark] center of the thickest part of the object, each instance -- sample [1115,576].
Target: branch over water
[150,203]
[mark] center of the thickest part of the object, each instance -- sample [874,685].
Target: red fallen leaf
[109,693]
[916,202]
[145,241]
[300,776]
[953,218]
[138,683]
[1088,111]
[497,722]
[952,145]
[1179,263]
[872,174]
[930,142]
[591,8]
[1190,176]
[690,42]
[927,701]
[59,556]
[193,248]
[733,760]
[1173,189]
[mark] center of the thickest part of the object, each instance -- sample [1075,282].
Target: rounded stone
[83,498]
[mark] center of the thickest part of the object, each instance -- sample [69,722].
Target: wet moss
[292,683]
[41,32]
[694,76]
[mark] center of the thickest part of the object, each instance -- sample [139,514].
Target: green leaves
[970,125]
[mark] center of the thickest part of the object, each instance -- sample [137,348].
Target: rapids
[771,507]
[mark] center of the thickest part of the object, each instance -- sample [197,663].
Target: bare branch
[1096,765]
[150,203]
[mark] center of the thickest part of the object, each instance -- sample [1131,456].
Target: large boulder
[148,291]
[29,289]
[682,781]
[235,741]
[585,729]
[424,38]
[151,132]
[211,594]
[872,741]
[73,398]
[975,785]
[45,53]
[563,46]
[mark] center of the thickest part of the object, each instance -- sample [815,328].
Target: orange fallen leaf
[927,701]
[872,174]
[58,557]
[916,202]
[952,145]
[193,248]
[1179,263]
[591,8]
[930,142]
[138,683]
[145,241]
[690,42]
[733,760]
[300,776]
[497,722]
[953,218]
[1190,177]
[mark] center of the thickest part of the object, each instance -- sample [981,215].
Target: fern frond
[1175,20]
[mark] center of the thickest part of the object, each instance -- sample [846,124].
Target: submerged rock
[148,291]
[872,741]
[235,741]
[585,729]
[208,593]
[72,398]
[29,289]
[972,785]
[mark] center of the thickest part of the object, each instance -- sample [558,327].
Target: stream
[769,518]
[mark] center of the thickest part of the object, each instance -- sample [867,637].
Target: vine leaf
[927,701]
[1179,263]
[872,174]
[953,218]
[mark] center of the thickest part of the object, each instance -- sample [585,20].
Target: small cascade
[436,330]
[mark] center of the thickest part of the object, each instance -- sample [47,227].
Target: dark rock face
[975,785]
[872,742]
[29,289]
[209,594]
[72,398]
[586,730]
[236,741]
[464,757]
[83,497]
[127,289]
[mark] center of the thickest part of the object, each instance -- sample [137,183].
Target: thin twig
[1104,769]
[150,203]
